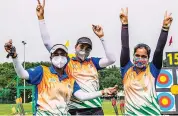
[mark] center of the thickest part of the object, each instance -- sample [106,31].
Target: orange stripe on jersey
[83,71]
[53,93]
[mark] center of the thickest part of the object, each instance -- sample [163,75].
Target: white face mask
[82,55]
[59,61]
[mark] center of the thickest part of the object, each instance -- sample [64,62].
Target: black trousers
[87,111]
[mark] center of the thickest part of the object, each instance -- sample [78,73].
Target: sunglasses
[85,48]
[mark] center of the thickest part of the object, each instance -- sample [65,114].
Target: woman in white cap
[54,87]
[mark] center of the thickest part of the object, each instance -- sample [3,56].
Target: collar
[75,59]
[53,71]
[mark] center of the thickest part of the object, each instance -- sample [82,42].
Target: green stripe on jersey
[94,103]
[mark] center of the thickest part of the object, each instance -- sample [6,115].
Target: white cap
[58,46]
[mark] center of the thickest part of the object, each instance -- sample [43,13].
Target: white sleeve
[109,59]
[21,72]
[83,96]
[45,35]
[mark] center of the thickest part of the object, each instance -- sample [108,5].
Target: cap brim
[55,47]
[84,43]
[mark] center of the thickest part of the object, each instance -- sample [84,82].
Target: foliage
[108,78]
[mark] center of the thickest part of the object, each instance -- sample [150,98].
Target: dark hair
[142,45]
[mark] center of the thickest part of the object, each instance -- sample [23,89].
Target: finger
[170,19]
[8,44]
[109,93]
[97,27]
[121,15]
[127,11]
[7,49]
[100,28]
[94,27]
[170,14]
[38,2]
[43,3]
[38,7]
[116,87]
[122,10]
[165,15]
[113,90]
[10,41]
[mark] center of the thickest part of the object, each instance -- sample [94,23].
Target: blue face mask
[140,62]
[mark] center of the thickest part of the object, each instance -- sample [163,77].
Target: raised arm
[33,75]
[125,51]
[109,57]
[43,30]
[158,54]
[11,50]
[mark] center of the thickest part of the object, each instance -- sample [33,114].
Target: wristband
[125,26]
[165,28]
[15,56]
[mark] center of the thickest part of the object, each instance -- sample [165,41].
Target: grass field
[5,109]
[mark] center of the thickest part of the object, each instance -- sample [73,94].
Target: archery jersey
[53,93]
[86,76]
[140,92]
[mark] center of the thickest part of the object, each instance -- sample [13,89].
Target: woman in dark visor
[139,77]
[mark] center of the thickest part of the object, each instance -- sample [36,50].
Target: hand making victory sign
[167,20]
[98,30]
[124,16]
[40,10]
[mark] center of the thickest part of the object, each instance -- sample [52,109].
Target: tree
[110,77]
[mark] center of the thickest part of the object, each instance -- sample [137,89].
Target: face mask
[140,62]
[82,54]
[59,61]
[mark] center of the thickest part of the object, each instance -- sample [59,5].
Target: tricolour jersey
[86,75]
[53,93]
[140,92]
